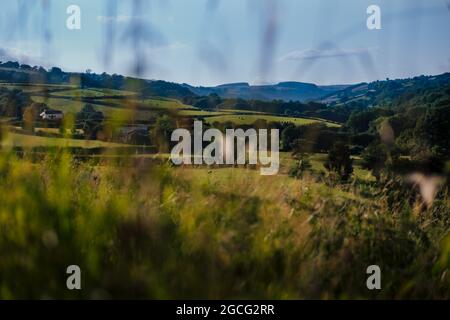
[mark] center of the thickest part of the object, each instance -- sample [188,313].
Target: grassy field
[249,119]
[158,232]
[66,105]
[31,88]
[22,140]
[241,111]
[92,93]
[164,103]
[201,113]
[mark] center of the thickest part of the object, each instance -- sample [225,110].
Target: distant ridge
[287,91]
[361,94]
[15,72]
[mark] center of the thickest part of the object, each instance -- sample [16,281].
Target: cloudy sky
[209,42]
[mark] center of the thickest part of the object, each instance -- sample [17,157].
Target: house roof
[51,111]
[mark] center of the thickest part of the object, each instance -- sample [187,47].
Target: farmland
[120,106]
[251,118]
[28,141]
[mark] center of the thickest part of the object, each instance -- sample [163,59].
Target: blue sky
[209,42]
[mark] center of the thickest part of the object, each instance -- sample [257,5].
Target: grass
[92,93]
[250,119]
[200,113]
[33,88]
[241,111]
[164,103]
[317,161]
[66,105]
[158,232]
[22,140]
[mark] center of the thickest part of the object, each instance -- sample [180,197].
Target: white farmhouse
[49,114]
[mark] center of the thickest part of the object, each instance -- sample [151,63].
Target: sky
[211,42]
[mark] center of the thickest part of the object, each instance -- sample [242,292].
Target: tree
[359,121]
[288,137]
[162,132]
[374,158]
[31,114]
[90,121]
[12,102]
[363,139]
[55,75]
[11,64]
[339,161]
[435,129]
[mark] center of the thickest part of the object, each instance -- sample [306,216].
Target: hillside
[13,72]
[383,93]
[287,91]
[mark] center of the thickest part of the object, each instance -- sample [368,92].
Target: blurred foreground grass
[141,231]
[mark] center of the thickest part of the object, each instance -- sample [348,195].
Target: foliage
[31,114]
[162,132]
[339,161]
[90,121]
[374,158]
[12,102]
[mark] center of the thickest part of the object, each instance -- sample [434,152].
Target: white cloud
[16,54]
[310,54]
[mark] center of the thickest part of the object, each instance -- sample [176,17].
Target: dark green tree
[13,102]
[90,121]
[374,158]
[435,130]
[162,132]
[31,114]
[339,161]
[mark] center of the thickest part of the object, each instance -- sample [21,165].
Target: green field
[66,105]
[200,113]
[164,103]
[250,119]
[22,140]
[91,93]
[31,88]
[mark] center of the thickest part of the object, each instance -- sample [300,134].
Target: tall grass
[140,231]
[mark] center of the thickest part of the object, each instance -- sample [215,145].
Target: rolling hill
[287,91]
[383,93]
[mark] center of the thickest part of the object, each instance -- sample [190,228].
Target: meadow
[250,119]
[12,139]
[154,231]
